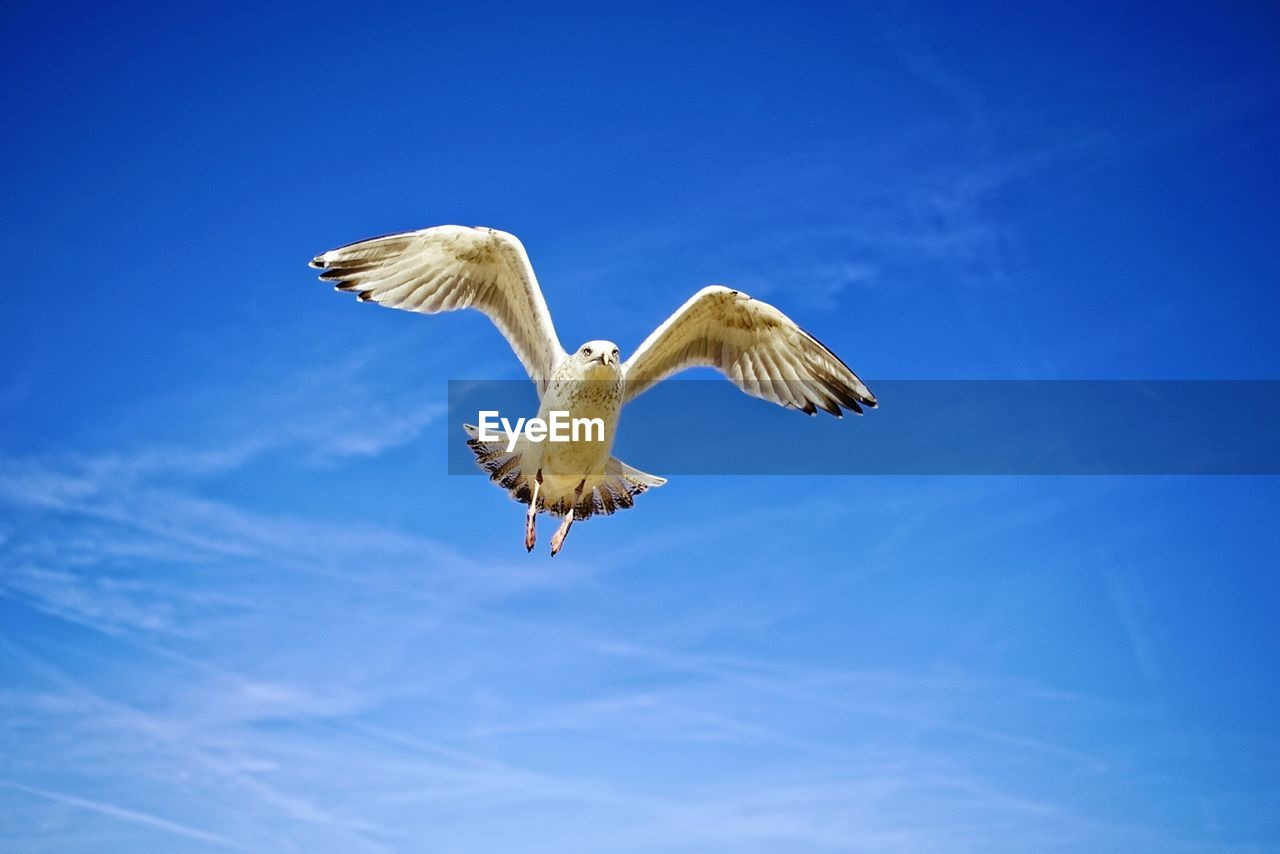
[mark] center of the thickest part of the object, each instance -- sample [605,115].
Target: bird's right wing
[451,267]
[760,349]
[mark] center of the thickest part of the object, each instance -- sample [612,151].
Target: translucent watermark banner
[924,427]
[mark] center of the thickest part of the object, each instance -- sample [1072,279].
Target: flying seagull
[449,267]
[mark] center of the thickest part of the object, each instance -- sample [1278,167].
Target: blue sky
[242,605]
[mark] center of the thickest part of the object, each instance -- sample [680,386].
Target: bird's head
[599,358]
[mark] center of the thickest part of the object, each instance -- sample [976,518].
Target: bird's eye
[586,351]
[615,351]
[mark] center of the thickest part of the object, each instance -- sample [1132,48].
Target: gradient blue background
[243,606]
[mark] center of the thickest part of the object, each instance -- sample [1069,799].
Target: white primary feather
[760,349]
[451,267]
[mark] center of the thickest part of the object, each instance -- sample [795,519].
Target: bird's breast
[591,408]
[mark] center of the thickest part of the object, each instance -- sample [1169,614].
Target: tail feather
[503,466]
[615,491]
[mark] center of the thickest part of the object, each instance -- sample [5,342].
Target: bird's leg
[530,531]
[557,542]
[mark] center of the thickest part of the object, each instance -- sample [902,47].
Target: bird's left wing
[760,349]
[451,267]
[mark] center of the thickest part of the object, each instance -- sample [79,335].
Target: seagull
[450,267]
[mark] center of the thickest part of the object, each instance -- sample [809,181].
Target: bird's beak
[604,358]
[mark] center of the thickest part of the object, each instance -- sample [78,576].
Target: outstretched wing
[756,346]
[451,267]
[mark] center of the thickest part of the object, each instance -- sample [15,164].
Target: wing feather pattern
[760,349]
[452,267]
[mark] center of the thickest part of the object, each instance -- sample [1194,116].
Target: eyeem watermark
[927,427]
[560,428]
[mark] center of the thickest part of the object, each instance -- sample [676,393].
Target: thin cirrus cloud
[166,577]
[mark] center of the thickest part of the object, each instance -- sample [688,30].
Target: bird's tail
[620,486]
[615,490]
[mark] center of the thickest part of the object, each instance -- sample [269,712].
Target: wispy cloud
[127,815]
[268,702]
